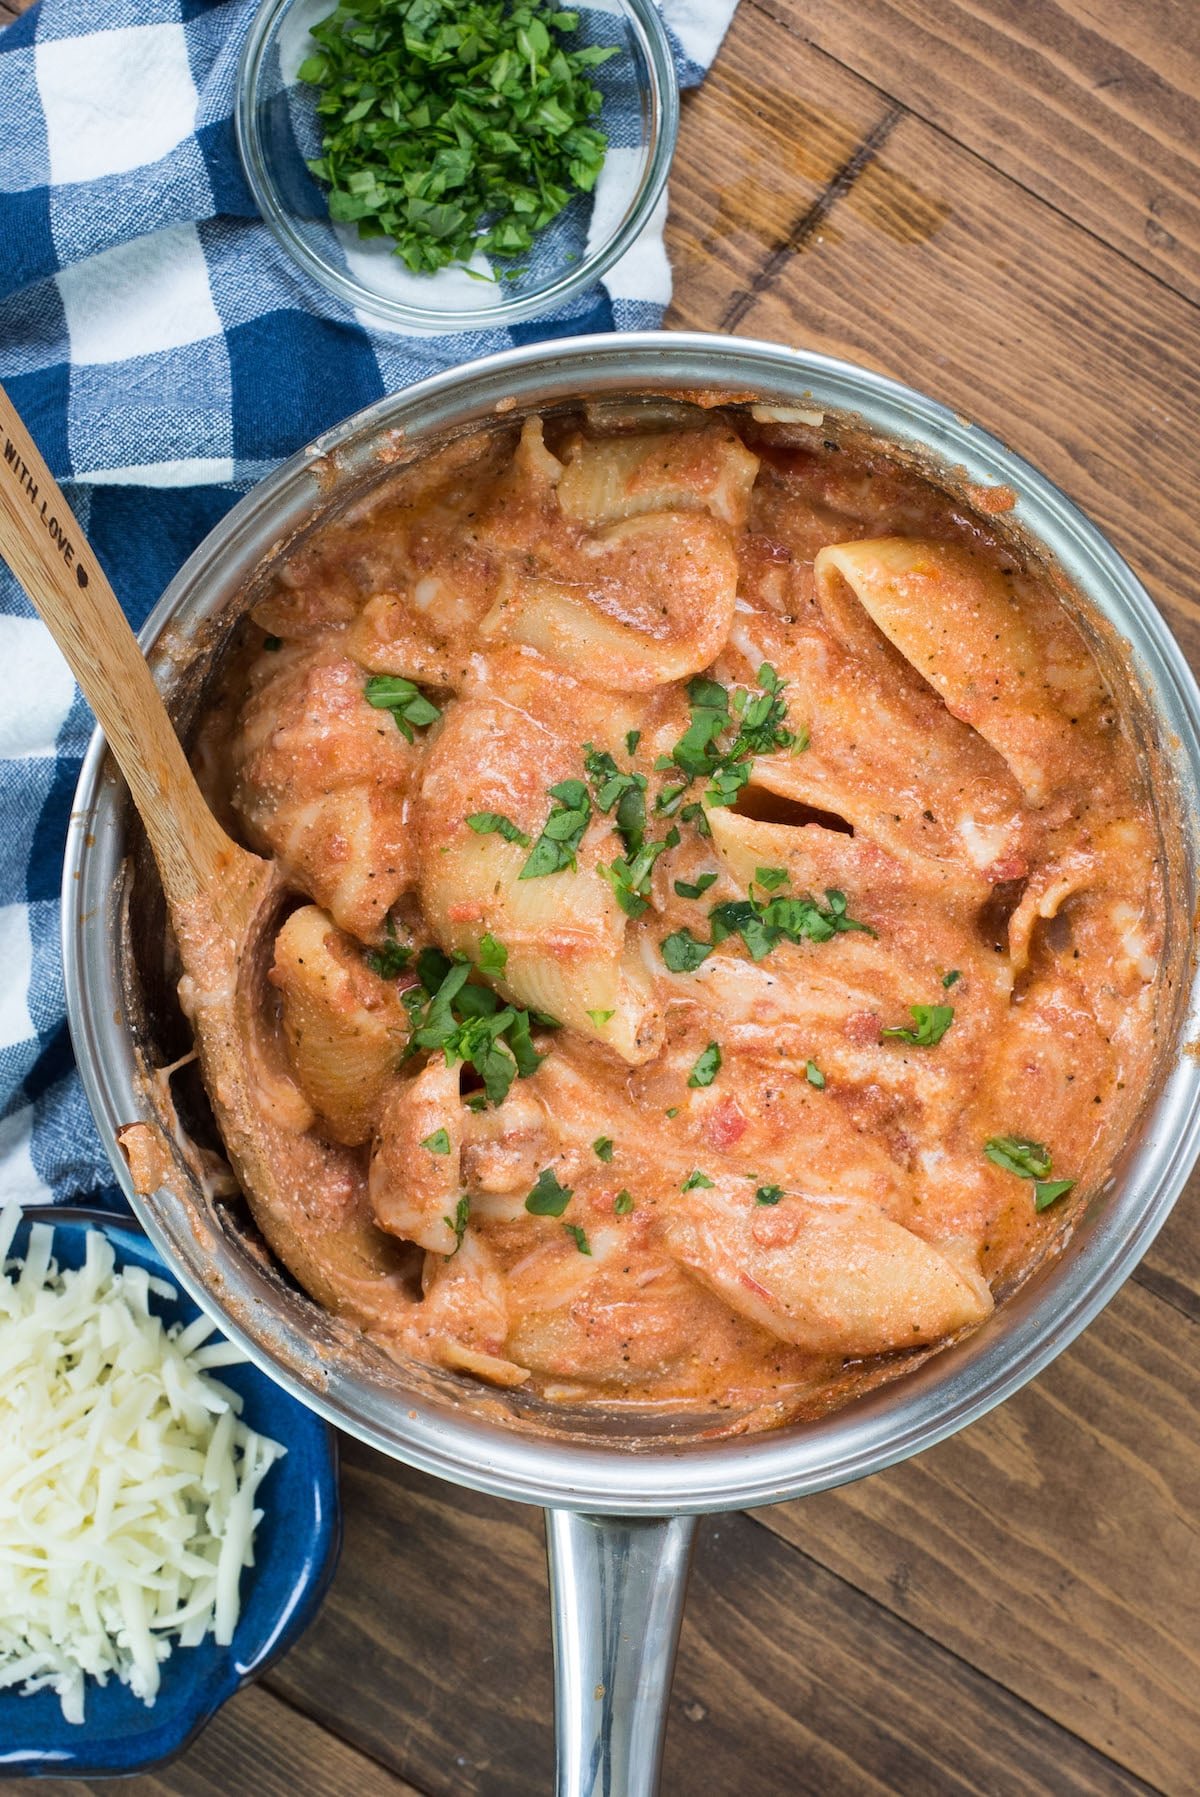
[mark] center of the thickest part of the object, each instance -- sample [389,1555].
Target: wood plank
[255,1743]
[432,1655]
[1055,1544]
[943,273]
[1094,105]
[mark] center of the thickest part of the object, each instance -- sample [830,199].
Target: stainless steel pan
[620,1497]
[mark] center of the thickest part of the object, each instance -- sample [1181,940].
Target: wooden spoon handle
[50,556]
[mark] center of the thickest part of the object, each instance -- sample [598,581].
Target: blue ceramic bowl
[295,1550]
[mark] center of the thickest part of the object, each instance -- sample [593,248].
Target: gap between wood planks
[786,23]
[838,186]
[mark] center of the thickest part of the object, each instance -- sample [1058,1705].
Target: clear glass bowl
[278,130]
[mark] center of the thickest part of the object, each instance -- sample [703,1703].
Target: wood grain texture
[789,1679]
[1090,104]
[1055,1543]
[256,1744]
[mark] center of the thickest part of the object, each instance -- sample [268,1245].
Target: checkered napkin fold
[165,355]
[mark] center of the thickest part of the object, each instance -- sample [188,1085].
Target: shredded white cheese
[127,1480]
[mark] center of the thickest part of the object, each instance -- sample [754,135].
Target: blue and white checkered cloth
[165,354]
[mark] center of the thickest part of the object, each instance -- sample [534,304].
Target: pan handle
[617,1586]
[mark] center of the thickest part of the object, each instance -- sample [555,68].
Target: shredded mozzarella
[127,1480]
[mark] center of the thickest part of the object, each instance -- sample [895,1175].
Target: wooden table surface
[997,201]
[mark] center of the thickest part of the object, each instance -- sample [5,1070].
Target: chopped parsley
[632,739]
[458,1223]
[578,1237]
[1045,1191]
[763,927]
[562,832]
[603,1147]
[600,1018]
[494,823]
[623,1203]
[493,956]
[683,953]
[932,1022]
[454,128]
[389,961]
[406,702]
[757,723]
[468,1022]
[768,1195]
[814,1076]
[438,1142]
[948,979]
[672,1110]
[1028,1160]
[548,1198]
[694,889]
[707,1066]
[629,878]
[694,1179]
[1019,1155]
[770,877]
[625,792]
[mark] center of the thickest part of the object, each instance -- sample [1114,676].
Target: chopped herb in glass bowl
[456,163]
[455,129]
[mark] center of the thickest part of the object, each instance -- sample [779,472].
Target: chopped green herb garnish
[603,1146]
[623,1203]
[683,953]
[1028,1160]
[578,1237]
[757,723]
[469,1023]
[694,889]
[454,128]
[389,961]
[667,802]
[932,1022]
[672,1110]
[406,702]
[948,979]
[438,1142]
[726,784]
[494,823]
[814,1076]
[493,956]
[548,1198]
[630,878]
[632,739]
[707,1066]
[600,1018]
[763,927]
[273,643]
[768,1195]
[458,1223]
[1019,1155]
[694,1179]
[562,832]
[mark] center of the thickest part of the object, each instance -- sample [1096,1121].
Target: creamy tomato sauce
[727,915]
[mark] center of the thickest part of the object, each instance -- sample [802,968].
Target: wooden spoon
[309,1198]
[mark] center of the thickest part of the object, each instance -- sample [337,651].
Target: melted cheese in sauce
[967,786]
